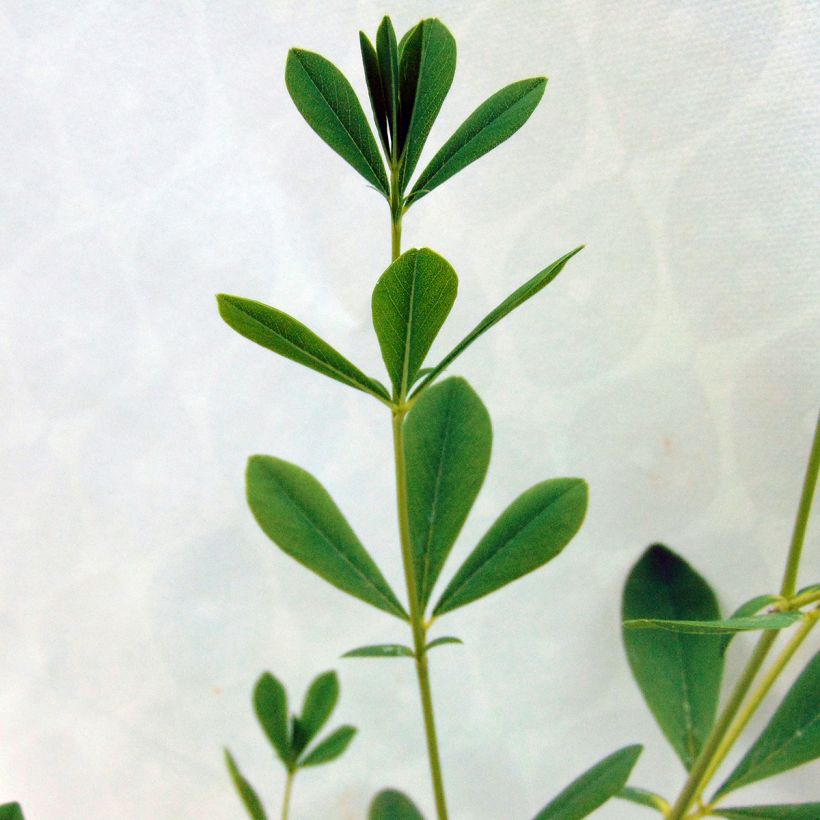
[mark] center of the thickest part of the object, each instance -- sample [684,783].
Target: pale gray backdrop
[151,157]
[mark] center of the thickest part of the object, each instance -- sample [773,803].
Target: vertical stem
[288,791]
[395,246]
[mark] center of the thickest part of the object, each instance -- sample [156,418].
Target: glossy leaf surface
[593,788]
[320,701]
[493,122]
[447,443]
[393,805]
[275,330]
[791,738]
[270,702]
[381,650]
[410,302]
[678,674]
[331,108]
[299,516]
[530,532]
[514,300]
[246,793]
[330,748]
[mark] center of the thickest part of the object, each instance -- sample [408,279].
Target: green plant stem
[796,548]
[288,792]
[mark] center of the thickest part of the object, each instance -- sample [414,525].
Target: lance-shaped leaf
[426,69]
[678,674]
[447,443]
[331,108]
[530,532]
[330,748]
[11,811]
[774,620]
[375,90]
[299,516]
[319,703]
[270,701]
[791,737]
[493,122]
[644,797]
[387,52]
[393,805]
[593,788]
[381,650]
[275,330]
[443,641]
[788,811]
[746,610]
[514,300]
[246,793]
[411,300]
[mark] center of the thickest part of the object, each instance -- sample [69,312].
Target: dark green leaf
[271,704]
[393,805]
[643,797]
[388,56]
[11,811]
[319,703]
[381,650]
[789,811]
[530,532]
[442,642]
[411,300]
[286,336]
[428,63]
[448,438]
[774,620]
[296,513]
[493,122]
[514,300]
[375,91]
[331,108]
[791,737]
[330,748]
[679,675]
[246,793]
[593,788]
[405,37]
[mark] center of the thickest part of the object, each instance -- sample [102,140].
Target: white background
[151,157]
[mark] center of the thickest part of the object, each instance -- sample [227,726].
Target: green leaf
[679,675]
[514,300]
[11,811]
[375,91]
[297,514]
[320,701]
[774,620]
[447,442]
[388,56]
[381,650]
[809,588]
[791,737]
[493,122]
[593,788]
[331,108]
[789,811]
[271,704]
[393,805]
[747,609]
[411,300]
[530,532]
[246,793]
[426,70]
[330,748]
[442,642]
[644,797]
[284,335]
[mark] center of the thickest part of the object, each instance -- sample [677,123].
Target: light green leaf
[810,588]
[447,442]
[388,55]
[271,704]
[774,620]
[11,811]
[530,532]
[331,108]
[393,805]
[514,300]
[446,639]
[747,609]
[426,69]
[644,797]
[330,748]
[411,300]
[320,701]
[791,738]
[593,788]
[375,91]
[493,122]
[284,335]
[297,514]
[246,793]
[381,650]
[679,675]
[788,811]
